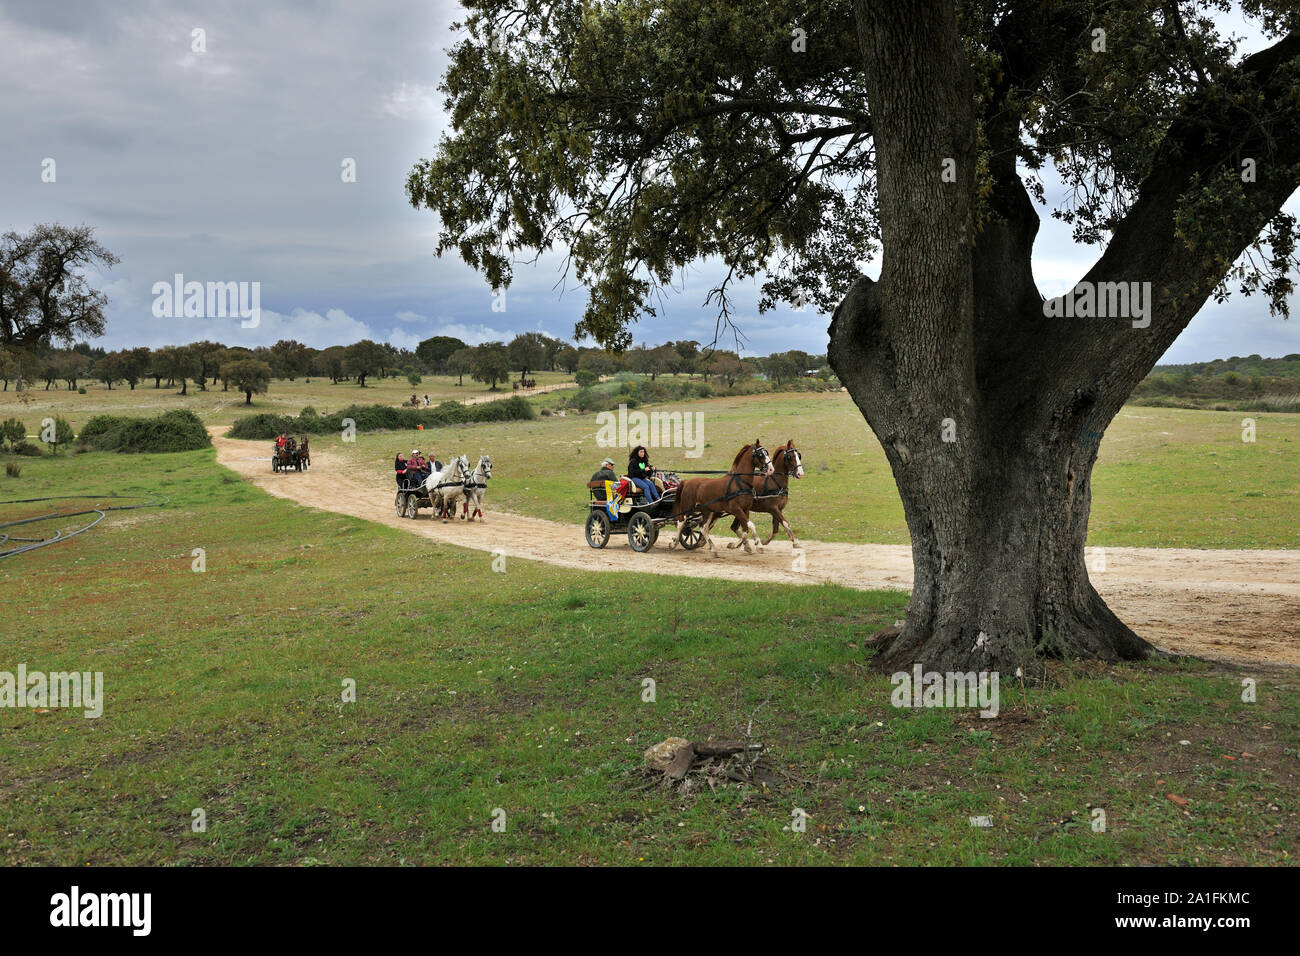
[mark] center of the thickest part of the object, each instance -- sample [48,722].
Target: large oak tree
[799,140]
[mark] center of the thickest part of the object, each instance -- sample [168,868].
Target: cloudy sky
[225,165]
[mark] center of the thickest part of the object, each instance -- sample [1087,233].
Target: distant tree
[434,352]
[783,366]
[8,366]
[330,362]
[13,431]
[181,363]
[599,361]
[290,359]
[135,362]
[567,358]
[205,359]
[527,352]
[111,368]
[688,354]
[44,296]
[364,359]
[248,376]
[414,378]
[490,364]
[553,348]
[71,367]
[59,432]
[459,362]
[727,366]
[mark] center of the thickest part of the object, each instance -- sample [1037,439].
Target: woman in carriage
[642,473]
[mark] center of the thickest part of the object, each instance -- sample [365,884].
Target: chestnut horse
[730,494]
[772,494]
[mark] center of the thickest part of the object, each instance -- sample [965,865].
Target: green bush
[62,434]
[13,469]
[586,379]
[13,431]
[371,418]
[28,449]
[176,430]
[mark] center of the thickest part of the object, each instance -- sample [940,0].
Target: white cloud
[409,99]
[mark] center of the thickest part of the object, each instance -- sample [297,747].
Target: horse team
[456,484]
[758,481]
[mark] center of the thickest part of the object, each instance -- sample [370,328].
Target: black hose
[54,516]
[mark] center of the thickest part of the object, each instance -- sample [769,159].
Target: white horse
[476,487]
[446,487]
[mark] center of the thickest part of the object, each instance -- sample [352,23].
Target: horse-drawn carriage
[636,517]
[293,454]
[443,488]
[757,482]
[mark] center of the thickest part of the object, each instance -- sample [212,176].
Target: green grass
[1165,477]
[522,691]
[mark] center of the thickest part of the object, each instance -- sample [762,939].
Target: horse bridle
[486,464]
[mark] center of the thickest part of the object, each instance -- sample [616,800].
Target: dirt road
[1229,605]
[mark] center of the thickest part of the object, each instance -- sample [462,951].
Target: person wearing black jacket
[641,473]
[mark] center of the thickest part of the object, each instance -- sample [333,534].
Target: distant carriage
[293,455]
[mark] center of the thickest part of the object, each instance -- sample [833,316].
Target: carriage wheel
[598,529]
[400,503]
[641,532]
[412,506]
[691,536]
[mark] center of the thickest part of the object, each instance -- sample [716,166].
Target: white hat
[608,461]
[415,451]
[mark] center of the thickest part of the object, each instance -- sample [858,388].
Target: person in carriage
[640,471]
[280,442]
[607,478]
[399,468]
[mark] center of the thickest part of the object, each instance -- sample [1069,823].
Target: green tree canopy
[44,295]
[248,376]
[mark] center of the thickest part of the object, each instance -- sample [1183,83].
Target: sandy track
[1228,605]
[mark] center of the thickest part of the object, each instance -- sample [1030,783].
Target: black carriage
[411,496]
[639,519]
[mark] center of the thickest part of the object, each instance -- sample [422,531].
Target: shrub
[28,449]
[176,430]
[369,418]
[13,431]
[586,379]
[62,434]
[81,390]
[309,411]
[13,469]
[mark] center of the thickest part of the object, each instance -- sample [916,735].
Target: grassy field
[221,408]
[522,691]
[1165,478]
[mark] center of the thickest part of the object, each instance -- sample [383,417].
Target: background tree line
[206,364]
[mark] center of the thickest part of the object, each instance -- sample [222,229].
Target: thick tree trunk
[942,356]
[997,503]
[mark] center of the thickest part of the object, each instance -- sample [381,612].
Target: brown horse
[731,494]
[772,494]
